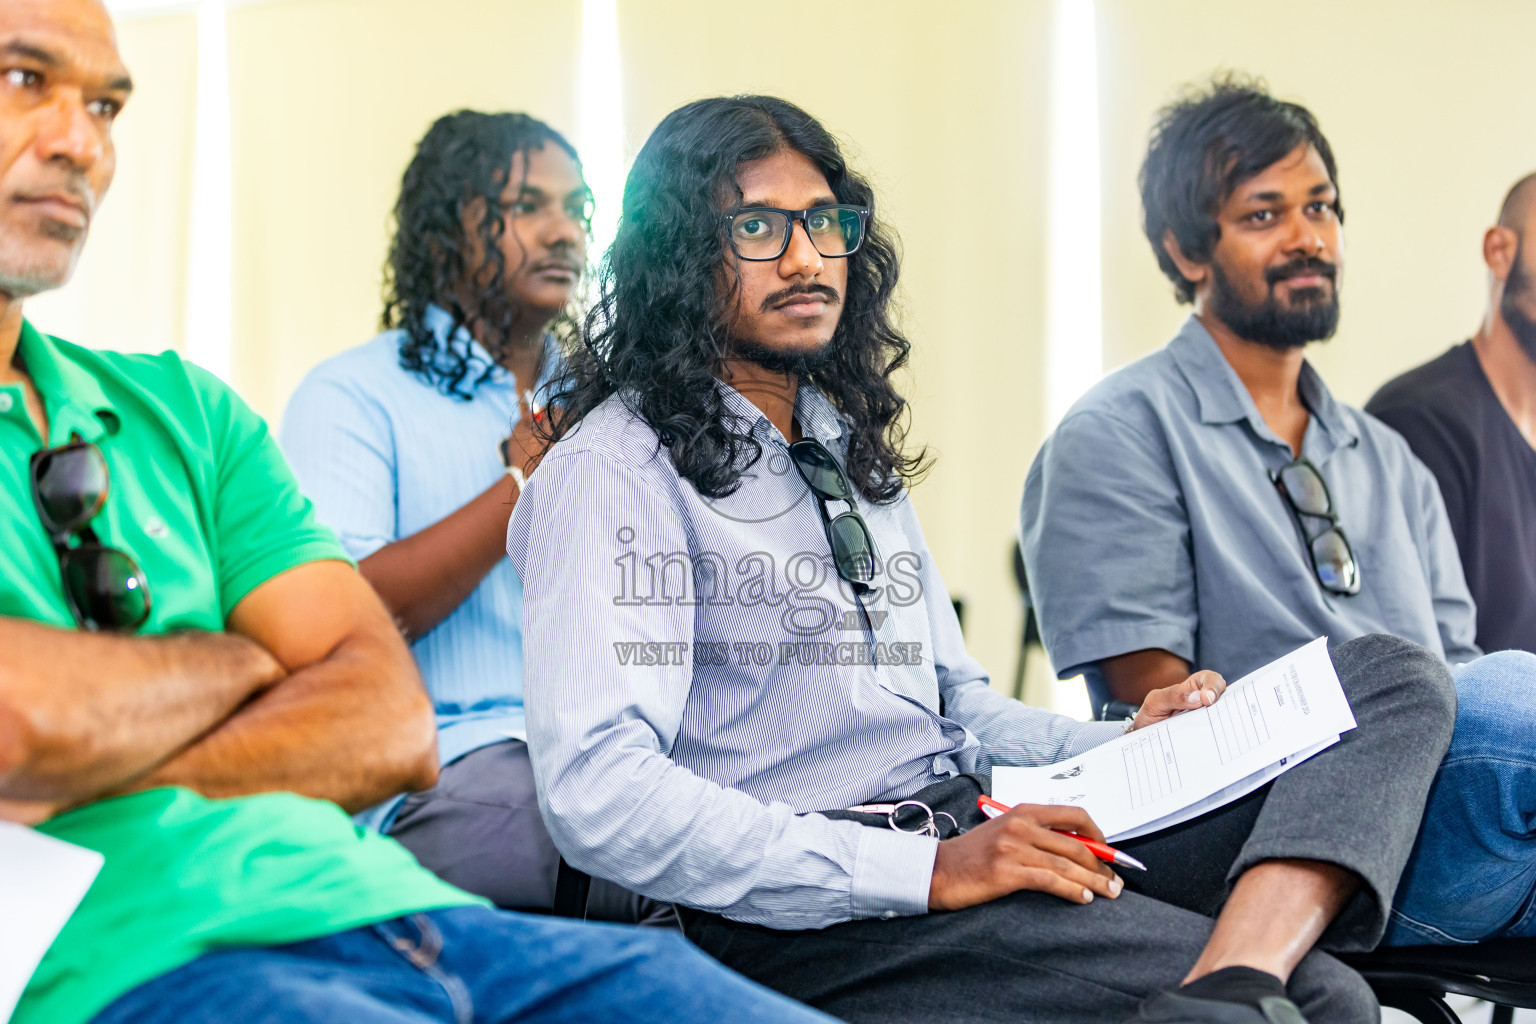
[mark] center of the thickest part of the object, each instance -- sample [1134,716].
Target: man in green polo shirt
[186,651]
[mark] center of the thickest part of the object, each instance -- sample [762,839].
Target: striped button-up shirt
[698,680]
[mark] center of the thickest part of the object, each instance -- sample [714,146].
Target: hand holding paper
[1176,769]
[1201,689]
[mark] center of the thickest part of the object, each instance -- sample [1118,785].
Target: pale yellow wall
[1428,107]
[129,290]
[945,111]
[329,98]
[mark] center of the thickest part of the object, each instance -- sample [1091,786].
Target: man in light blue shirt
[414,447]
[747,690]
[1212,506]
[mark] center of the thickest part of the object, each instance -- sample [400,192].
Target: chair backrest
[1098,690]
[1031,624]
[572,888]
[1030,636]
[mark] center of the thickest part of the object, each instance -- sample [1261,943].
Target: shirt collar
[1328,411]
[440,322]
[75,402]
[818,419]
[1224,399]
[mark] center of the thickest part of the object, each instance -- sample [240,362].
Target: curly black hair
[659,330]
[465,156]
[1206,144]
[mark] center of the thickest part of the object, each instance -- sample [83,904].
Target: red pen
[996,809]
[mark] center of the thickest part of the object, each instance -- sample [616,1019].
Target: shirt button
[889,915]
[6,401]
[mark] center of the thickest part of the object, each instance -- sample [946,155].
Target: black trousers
[1033,957]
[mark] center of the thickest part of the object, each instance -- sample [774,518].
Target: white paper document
[1266,723]
[42,881]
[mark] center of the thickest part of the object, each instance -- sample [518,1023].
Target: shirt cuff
[1077,650]
[892,873]
[1093,734]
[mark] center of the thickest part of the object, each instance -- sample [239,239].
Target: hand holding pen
[1032,846]
[996,809]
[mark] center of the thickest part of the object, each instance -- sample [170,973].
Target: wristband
[518,477]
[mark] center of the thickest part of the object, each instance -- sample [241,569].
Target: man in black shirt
[1471,416]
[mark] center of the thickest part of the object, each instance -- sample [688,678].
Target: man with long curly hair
[403,444]
[747,690]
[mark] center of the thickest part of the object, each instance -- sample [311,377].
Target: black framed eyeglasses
[761,233]
[105,587]
[1306,493]
[853,549]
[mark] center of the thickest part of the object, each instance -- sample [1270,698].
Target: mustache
[817,291]
[560,260]
[1300,266]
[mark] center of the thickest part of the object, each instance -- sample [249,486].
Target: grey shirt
[1149,521]
[697,679]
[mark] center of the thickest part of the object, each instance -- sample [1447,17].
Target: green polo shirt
[202,499]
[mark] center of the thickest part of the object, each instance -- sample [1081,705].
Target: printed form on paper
[1266,723]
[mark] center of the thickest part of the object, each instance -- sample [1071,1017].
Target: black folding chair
[1031,634]
[572,888]
[1416,979]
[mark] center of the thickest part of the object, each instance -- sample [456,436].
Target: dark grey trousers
[1032,957]
[479,828]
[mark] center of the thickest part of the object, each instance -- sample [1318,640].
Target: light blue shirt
[1149,521]
[698,679]
[384,454]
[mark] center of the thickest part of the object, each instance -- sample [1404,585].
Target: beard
[1312,315]
[801,363]
[1517,292]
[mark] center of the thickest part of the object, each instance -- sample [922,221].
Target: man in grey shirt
[1212,506]
[740,659]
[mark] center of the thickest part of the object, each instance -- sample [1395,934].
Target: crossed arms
[311,690]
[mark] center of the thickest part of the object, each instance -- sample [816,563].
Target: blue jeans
[1472,874]
[467,965]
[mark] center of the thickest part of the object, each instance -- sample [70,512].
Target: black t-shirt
[1453,421]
